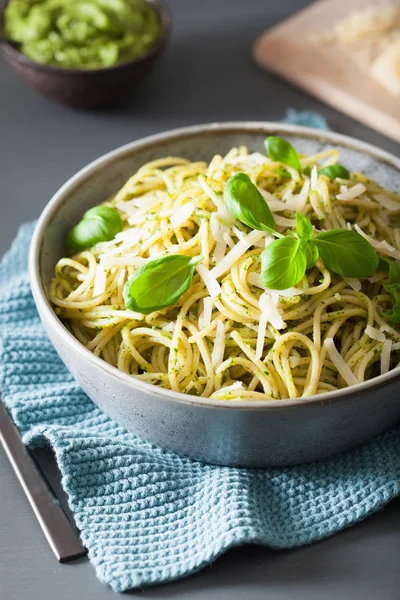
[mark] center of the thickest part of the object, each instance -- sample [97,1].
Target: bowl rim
[247,127]
[164,14]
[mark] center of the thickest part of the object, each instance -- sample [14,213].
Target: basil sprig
[159,283]
[344,252]
[279,150]
[98,224]
[333,171]
[246,203]
[393,287]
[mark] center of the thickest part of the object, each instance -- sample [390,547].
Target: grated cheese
[271,200]
[100,281]
[276,205]
[237,251]
[383,247]
[388,203]
[385,356]
[217,227]
[237,385]
[294,361]
[268,240]
[375,334]
[210,282]
[207,311]
[181,215]
[351,193]
[353,282]
[340,363]
[217,355]
[300,200]
[287,196]
[290,201]
[255,279]
[262,328]
[239,234]
[219,251]
[129,238]
[376,277]
[270,311]
[387,248]
[314,177]
[228,239]
[289,292]
[263,242]
[211,194]
[284,222]
[127,208]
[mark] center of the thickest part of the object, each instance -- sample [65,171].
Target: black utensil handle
[59,532]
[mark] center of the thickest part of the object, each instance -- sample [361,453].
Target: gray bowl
[89,88]
[240,433]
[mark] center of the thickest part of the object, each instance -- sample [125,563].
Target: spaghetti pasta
[227,337]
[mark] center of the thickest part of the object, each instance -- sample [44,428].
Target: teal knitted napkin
[148,516]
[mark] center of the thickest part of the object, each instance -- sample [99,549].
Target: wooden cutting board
[325,70]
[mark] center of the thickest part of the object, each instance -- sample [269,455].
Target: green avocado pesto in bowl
[83,34]
[84,53]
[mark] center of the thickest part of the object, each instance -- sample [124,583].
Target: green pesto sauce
[84,34]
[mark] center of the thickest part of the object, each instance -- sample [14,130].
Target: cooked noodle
[216,341]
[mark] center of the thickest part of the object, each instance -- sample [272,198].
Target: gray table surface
[206,75]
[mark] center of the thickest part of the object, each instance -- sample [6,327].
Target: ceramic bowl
[89,88]
[243,433]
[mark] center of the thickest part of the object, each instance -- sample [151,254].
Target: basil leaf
[307,171]
[279,150]
[346,253]
[393,315]
[393,287]
[303,227]
[312,253]
[392,268]
[334,171]
[283,263]
[159,283]
[98,224]
[246,203]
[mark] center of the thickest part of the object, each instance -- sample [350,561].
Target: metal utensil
[59,531]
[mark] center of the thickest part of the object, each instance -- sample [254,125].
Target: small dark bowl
[89,88]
